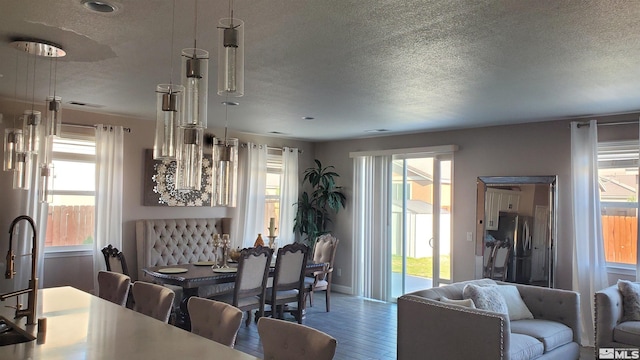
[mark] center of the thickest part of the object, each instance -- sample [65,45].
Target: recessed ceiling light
[99,6]
[230,103]
[377,130]
[308,118]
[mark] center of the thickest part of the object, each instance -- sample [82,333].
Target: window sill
[67,251]
[618,269]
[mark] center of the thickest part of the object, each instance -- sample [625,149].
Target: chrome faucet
[30,311]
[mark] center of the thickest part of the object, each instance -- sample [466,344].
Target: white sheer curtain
[288,195]
[252,185]
[589,267]
[109,180]
[371,230]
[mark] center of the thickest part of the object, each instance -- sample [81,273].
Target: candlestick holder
[225,250]
[272,242]
[216,245]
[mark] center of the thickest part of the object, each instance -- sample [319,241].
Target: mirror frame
[486,181]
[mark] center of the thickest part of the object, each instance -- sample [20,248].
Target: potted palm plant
[315,207]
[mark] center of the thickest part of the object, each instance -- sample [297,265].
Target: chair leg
[328,295]
[248,321]
[310,292]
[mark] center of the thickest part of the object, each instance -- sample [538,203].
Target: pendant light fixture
[13,143]
[54,103]
[225,162]
[32,121]
[169,99]
[195,79]
[12,146]
[231,55]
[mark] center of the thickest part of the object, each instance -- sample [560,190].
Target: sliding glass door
[421,222]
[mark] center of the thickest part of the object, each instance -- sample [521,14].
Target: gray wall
[530,149]
[73,271]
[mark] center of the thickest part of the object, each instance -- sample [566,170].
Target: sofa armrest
[608,313]
[430,328]
[554,305]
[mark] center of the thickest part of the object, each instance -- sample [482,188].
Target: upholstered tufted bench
[162,242]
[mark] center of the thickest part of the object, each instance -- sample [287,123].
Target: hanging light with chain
[195,79]
[169,100]
[231,55]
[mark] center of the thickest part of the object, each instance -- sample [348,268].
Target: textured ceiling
[355,66]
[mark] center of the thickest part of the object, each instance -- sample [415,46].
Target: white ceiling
[355,66]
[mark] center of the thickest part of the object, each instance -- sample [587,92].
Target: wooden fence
[620,234]
[70,225]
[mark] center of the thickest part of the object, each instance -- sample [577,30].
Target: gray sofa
[611,331]
[430,328]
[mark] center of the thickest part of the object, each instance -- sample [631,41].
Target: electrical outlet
[339,272]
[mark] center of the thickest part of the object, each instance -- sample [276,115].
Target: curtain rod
[244,145]
[128,130]
[630,122]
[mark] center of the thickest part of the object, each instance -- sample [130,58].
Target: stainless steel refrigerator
[517,230]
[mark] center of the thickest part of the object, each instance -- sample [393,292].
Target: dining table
[192,276]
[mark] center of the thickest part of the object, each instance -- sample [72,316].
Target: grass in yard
[422,267]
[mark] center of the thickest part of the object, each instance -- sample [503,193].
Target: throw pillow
[518,310]
[465,302]
[630,300]
[485,298]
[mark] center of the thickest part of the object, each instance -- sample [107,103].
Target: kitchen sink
[10,334]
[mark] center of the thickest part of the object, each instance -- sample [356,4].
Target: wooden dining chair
[251,281]
[153,300]
[113,287]
[214,320]
[284,340]
[324,251]
[114,260]
[500,266]
[288,280]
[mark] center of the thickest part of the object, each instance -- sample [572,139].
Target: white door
[420,222]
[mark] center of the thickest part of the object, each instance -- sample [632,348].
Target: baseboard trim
[342,289]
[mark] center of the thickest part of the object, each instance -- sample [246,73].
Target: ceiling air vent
[77,103]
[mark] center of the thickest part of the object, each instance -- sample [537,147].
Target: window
[618,181]
[70,220]
[272,198]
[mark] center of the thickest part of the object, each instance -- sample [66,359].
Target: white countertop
[83,326]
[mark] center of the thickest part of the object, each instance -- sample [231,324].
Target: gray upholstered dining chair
[214,320]
[288,280]
[324,251]
[153,300]
[285,340]
[113,287]
[251,281]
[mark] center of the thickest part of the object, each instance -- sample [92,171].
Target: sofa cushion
[453,291]
[552,334]
[630,300]
[485,298]
[518,310]
[465,302]
[627,332]
[524,347]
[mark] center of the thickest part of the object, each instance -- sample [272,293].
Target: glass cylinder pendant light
[231,57]
[46,183]
[195,79]
[12,146]
[189,158]
[169,103]
[54,115]
[31,126]
[225,162]
[22,174]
